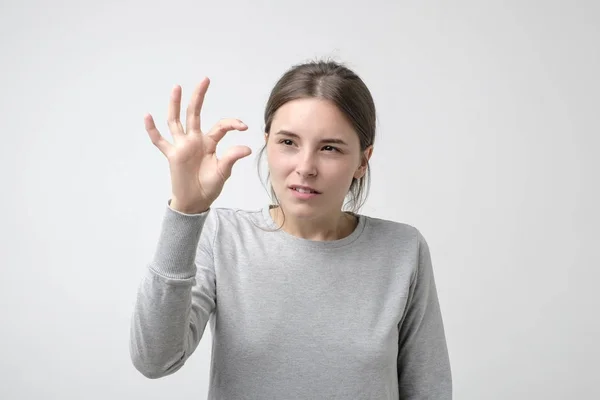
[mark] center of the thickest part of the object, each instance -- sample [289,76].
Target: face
[311,144]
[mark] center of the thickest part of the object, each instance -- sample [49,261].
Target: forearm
[164,330]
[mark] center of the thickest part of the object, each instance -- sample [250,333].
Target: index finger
[195,106]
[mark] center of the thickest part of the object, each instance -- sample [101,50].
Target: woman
[305,300]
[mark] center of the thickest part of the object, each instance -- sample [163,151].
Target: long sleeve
[176,296]
[423,361]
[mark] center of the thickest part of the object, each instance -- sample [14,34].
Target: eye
[331,148]
[287,142]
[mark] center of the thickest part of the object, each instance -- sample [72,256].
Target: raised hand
[197,176]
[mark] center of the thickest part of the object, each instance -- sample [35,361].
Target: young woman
[305,299]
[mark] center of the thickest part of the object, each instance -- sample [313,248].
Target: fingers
[174,112]
[195,106]
[155,135]
[230,157]
[225,125]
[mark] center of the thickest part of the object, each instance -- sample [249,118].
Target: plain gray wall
[488,132]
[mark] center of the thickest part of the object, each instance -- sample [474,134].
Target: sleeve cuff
[178,242]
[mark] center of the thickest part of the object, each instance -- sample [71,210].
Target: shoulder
[385,228]
[402,240]
[220,222]
[394,235]
[235,217]
[235,214]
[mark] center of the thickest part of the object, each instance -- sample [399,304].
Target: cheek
[343,170]
[278,164]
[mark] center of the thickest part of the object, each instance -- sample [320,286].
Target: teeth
[304,190]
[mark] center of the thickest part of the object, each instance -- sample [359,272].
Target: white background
[488,132]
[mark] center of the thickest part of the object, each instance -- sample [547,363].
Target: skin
[298,153]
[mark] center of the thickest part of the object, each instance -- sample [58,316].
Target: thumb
[231,156]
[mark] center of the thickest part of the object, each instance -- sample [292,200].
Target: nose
[306,166]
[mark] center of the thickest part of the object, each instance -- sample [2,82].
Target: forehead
[312,117]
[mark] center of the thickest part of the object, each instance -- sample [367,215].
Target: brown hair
[329,80]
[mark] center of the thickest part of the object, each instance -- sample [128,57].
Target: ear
[266,137]
[362,169]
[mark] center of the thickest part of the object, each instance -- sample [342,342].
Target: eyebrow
[328,141]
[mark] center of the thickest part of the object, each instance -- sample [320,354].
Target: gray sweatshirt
[355,318]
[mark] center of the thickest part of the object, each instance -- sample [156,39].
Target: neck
[335,226]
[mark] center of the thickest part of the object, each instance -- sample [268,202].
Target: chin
[303,210]
[297,209]
[300,208]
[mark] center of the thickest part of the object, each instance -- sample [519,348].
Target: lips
[294,187]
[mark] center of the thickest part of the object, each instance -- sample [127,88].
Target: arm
[176,296]
[423,361]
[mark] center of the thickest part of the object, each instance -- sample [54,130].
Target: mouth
[304,189]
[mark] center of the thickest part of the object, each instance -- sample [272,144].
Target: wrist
[187,208]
